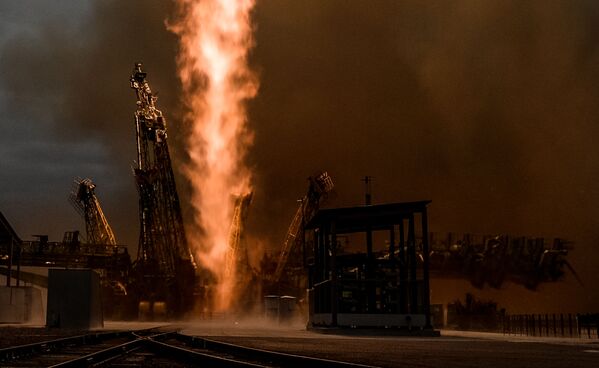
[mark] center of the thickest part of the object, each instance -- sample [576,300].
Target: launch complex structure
[165,282]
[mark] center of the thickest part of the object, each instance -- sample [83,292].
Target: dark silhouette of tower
[164,266]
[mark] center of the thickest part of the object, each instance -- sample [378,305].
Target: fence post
[561,318]
[588,324]
[541,325]
[554,325]
[546,324]
[520,326]
[570,323]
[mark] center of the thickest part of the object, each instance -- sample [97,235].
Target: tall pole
[426,298]
[367,190]
[10,263]
[19,252]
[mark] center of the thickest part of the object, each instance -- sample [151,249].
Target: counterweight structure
[164,262]
[85,201]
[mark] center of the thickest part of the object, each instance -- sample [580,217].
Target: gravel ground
[14,336]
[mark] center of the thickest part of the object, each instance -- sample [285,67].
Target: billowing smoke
[215,37]
[487,108]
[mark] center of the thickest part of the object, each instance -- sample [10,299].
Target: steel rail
[237,356]
[107,355]
[22,351]
[102,356]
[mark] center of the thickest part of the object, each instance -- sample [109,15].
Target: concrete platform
[451,349]
[375,331]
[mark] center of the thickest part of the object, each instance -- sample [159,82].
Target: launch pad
[378,287]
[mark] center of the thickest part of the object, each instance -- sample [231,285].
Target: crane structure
[164,262]
[319,186]
[236,256]
[85,201]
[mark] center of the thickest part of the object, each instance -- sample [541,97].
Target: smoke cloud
[487,108]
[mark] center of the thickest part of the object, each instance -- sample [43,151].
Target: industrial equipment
[360,289]
[164,264]
[243,278]
[320,185]
[495,259]
[83,198]
[236,256]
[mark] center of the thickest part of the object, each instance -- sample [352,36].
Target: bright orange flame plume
[215,37]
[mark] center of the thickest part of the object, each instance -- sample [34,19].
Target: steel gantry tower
[164,261]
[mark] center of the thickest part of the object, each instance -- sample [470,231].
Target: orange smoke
[215,36]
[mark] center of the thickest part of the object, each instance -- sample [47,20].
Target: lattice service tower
[164,263]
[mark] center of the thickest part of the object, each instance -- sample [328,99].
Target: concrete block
[74,299]
[20,305]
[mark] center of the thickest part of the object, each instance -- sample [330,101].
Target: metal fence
[552,325]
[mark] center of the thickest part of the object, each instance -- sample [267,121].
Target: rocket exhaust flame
[215,37]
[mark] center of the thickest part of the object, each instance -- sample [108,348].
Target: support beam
[413,265]
[403,276]
[426,301]
[370,287]
[334,293]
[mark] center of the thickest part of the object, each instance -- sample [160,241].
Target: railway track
[151,348]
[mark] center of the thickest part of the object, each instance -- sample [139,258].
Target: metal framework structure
[163,253]
[113,262]
[320,185]
[361,289]
[495,259]
[85,201]
[237,254]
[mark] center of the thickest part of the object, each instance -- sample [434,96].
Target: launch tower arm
[235,251]
[86,202]
[319,186]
